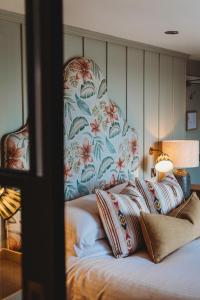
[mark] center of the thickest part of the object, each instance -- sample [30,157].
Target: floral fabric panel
[120,217]
[100,149]
[16,150]
[16,156]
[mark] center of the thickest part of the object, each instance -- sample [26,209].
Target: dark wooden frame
[42,187]
[187,118]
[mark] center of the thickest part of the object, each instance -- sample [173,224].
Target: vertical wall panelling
[193,103]
[10,77]
[135,95]
[151,94]
[24,74]
[166,98]
[97,51]
[116,75]
[148,86]
[179,97]
[73,46]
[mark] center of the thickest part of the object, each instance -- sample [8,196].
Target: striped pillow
[120,217]
[161,197]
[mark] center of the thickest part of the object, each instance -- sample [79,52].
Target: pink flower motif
[83,68]
[120,164]
[133,146]
[66,86]
[95,127]
[14,156]
[85,152]
[111,111]
[67,171]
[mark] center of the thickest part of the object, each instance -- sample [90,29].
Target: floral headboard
[101,150]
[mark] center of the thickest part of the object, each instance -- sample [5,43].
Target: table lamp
[183,154]
[9,203]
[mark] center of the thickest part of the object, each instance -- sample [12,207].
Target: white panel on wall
[193,103]
[116,75]
[10,77]
[151,93]
[179,97]
[166,98]
[135,96]
[25,96]
[73,46]
[97,51]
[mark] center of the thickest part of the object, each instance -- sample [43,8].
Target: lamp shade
[183,153]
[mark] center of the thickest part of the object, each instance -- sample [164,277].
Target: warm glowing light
[164,164]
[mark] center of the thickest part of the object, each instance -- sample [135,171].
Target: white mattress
[136,277]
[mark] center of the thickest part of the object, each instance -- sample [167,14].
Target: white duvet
[136,277]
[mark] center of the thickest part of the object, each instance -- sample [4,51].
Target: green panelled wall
[135,96]
[148,86]
[11,105]
[151,105]
[193,104]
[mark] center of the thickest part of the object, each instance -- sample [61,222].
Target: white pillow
[101,247]
[83,226]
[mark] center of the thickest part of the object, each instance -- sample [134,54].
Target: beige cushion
[164,234]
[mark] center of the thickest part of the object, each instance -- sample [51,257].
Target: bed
[101,152]
[136,277]
[94,273]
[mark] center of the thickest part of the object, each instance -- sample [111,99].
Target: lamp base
[183,178]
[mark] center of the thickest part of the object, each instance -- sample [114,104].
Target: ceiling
[138,20]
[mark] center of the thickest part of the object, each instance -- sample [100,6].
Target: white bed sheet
[136,277]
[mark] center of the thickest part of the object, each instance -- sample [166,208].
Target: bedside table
[196,188]
[10,274]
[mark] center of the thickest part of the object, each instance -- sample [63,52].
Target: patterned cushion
[120,217]
[101,150]
[161,197]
